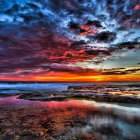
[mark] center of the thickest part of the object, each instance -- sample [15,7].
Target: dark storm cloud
[128,45]
[115,73]
[105,37]
[73,25]
[95,23]
[77,45]
[97,52]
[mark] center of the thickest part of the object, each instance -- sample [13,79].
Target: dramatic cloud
[105,37]
[120,71]
[45,37]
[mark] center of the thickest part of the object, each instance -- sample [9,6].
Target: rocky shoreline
[103,93]
[116,93]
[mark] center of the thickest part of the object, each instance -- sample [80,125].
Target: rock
[7,123]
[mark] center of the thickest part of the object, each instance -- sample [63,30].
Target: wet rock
[90,95]
[7,95]
[7,123]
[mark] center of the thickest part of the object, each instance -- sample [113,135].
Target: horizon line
[61,81]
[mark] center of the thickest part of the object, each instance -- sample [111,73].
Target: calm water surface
[73,119]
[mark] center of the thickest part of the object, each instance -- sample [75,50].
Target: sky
[69,40]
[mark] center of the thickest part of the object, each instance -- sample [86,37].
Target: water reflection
[68,120]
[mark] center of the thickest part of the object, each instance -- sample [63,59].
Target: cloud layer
[48,37]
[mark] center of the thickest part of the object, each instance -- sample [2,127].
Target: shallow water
[67,120]
[33,87]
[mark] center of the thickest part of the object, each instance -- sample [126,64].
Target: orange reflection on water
[125,93]
[73,118]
